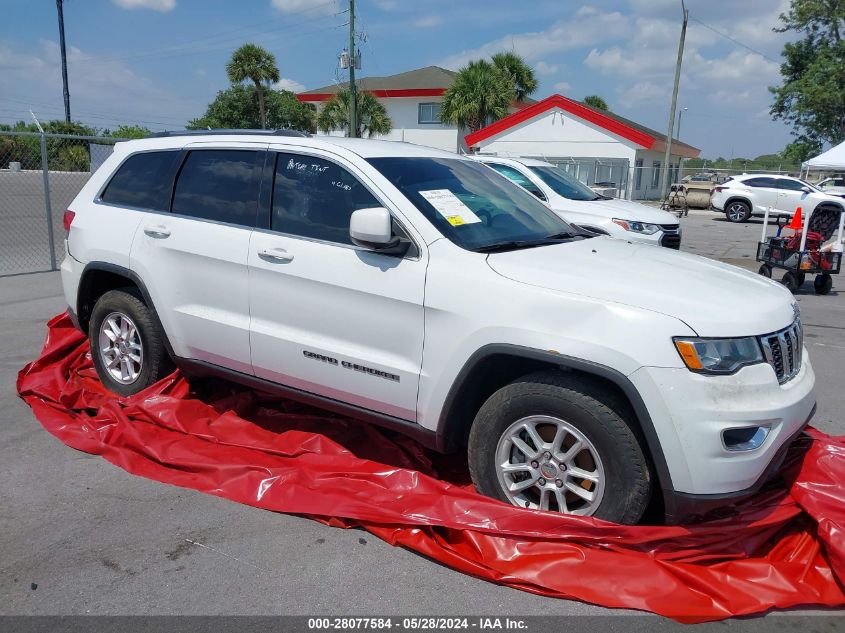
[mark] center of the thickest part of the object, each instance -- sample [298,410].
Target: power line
[735,41]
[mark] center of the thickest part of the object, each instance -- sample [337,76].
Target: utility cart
[805,252]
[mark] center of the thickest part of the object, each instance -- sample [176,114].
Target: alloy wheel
[121,349]
[546,463]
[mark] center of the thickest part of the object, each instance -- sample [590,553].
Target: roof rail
[227,132]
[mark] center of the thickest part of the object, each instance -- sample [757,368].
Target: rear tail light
[67,219]
[719,189]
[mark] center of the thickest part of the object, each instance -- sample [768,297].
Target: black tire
[766,271]
[801,279]
[822,284]
[155,361]
[588,408]
[737,211]
[790,280]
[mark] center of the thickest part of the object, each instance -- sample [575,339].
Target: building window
[638,174]
[430,113]
[655,174]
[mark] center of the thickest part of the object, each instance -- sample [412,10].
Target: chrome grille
[783,351]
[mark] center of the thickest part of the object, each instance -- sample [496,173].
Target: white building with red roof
[594,145]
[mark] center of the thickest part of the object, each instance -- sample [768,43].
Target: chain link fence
[40,174]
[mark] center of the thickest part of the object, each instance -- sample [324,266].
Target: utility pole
[668,157]
[353,91]
[64,58]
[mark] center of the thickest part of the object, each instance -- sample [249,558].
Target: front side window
[563,184]
[519,178]
[429,113]
[219,185]
[790,185]
[143,181]
[470,205]
[315,198]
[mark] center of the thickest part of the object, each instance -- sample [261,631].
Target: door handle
[158,231]
[275,255]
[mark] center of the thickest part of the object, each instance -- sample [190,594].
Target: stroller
[804,252]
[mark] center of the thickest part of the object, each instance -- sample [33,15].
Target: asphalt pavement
[80,536]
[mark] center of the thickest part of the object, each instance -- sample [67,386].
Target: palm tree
[596,102]
[258,65]
[372,117]
[480,92]
[520,73]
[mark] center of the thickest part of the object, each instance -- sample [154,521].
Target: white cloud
[543,68]
[156,5]
[588,27]
[387,5]
[103,92]
[288,84]
[428,22]
[562,86]
[313,7]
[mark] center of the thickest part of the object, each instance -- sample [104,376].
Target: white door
[791,195]
[327,317]
[194,259]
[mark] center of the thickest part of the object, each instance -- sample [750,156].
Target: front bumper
[690,412]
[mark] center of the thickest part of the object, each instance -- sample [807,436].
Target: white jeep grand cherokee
[423,292]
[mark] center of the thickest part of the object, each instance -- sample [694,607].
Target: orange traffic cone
[796,224]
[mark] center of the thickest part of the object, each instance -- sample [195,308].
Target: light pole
[680,158]
[680,118]
[65,91]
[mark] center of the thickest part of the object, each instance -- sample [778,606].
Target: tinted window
[143,180]
[315,198]
[219,185]
[791,185]
[518,178]
[468,203]
[767,183]
[565,185]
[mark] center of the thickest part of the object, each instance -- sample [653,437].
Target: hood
[712,298]
[615,208]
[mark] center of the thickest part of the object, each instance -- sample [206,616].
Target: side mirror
[373,229]
[806,189]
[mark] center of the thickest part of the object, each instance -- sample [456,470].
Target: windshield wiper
[512,245]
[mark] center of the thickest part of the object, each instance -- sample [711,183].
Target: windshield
[472,205]
[564,185]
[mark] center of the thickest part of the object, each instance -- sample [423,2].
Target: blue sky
[159,62]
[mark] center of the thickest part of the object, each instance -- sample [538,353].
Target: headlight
[637,227]
[718,356]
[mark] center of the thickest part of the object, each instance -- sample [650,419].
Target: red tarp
[786,547]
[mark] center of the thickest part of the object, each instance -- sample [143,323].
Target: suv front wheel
[552,441]
[127,347]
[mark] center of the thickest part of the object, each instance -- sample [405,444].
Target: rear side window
[315,198]
[764,183]
[143,180]
[523,181]
[219,185]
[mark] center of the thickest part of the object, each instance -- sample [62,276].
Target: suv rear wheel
[552,441]
[738,211]
[126,345]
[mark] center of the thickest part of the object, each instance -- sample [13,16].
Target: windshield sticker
[450,207]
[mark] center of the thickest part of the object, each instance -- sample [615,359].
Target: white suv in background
[576,203]
[751,194]
[419,290]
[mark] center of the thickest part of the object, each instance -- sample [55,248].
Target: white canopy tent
[834,158]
